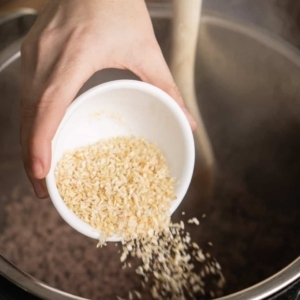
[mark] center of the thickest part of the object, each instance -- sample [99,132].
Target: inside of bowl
[125,108]
[123,112]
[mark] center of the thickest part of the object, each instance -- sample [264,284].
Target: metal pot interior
[248,92]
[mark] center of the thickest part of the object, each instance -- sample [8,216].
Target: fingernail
[37,168]
[40,190]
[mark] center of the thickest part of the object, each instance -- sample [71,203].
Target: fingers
[154,70]
[40,121]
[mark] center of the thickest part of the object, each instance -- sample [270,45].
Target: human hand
[71,40]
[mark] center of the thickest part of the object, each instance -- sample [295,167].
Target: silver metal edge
[259,291]
[6,61]
[15,14]
[6,58]
[270,286]
[30,284]
[258,33]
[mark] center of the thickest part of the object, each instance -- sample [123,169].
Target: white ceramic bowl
[122,108]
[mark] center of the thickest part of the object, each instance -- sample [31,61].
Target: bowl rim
[188,140]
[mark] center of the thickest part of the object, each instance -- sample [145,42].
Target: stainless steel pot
[248,90]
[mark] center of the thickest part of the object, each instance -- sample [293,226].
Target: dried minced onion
[120,186]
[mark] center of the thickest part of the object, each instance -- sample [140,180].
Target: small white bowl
[124,108]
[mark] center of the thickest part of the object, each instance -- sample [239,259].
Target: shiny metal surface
[269,286]
[248,91]
[30,284]
[276,16]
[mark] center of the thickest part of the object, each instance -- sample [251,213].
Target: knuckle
[80,30]
[48,98]
[78,40]
[45,39]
